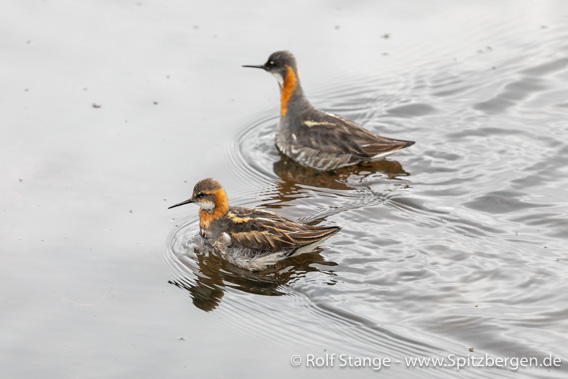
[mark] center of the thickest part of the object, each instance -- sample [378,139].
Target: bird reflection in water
[291,172]
[352,178]
[212,275]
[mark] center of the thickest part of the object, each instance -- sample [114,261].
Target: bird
[250,238]
[319,140]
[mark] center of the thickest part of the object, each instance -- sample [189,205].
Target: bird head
[281,64]
[208,194]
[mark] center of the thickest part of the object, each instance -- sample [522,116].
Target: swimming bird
[319,140]
[250,238]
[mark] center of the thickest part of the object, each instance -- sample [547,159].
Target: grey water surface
[453,248]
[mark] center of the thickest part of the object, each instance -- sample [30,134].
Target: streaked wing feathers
[266,230]
[329,141]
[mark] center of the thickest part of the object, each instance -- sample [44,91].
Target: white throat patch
[279,78]
[207,205]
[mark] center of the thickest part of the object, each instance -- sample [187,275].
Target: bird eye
[271,63]
[200,194]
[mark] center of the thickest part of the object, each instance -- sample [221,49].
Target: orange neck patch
[287,89]
[221,207]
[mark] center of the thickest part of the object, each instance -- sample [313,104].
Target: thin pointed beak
[250,66]
[182,203]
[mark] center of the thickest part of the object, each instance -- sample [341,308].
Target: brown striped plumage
[251,238]
[315,139]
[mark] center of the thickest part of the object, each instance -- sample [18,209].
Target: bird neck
[221,208]
[289,89]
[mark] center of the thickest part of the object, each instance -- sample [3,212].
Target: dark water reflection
[293,174]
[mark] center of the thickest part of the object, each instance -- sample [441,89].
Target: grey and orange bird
[250,238]
[319,140]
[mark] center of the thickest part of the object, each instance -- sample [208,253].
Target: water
[454,244]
